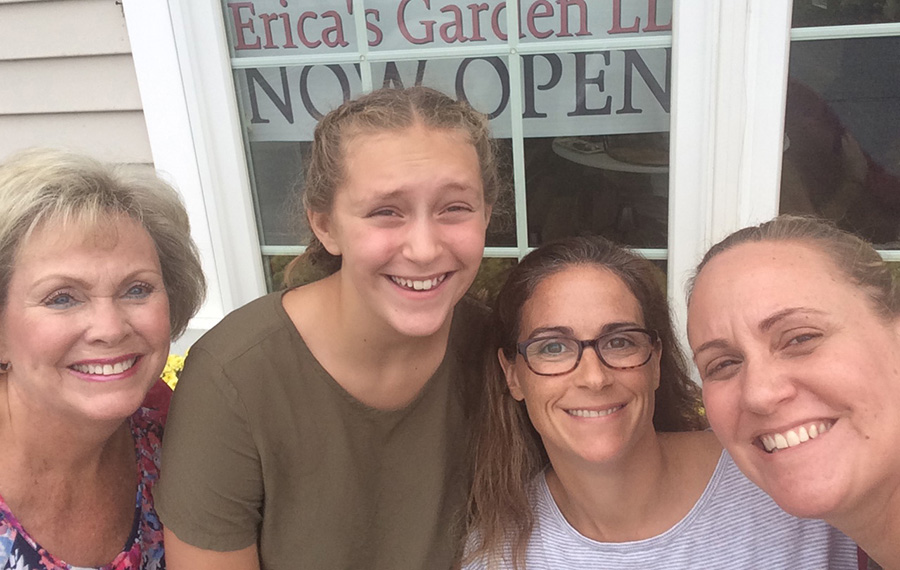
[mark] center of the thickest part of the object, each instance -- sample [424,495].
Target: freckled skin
[413,207]
[585,298]
[828,356]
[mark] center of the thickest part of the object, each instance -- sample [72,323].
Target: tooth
[813,431]
[418,285]
[792,438]
[107,369]
[804,435]
[780,442]
[768,442]
[823,428]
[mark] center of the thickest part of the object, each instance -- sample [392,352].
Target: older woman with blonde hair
[97,274]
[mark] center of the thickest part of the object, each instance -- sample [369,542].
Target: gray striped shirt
[733,525]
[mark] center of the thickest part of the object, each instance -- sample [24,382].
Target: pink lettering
[241,25]
[533,15]
[404,30]
[617,21]
[564,18]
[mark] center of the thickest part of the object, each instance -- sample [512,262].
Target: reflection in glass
[809,13]
[596,146]
[842,136]
[615,186]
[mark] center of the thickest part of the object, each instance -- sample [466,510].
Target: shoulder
[244,328]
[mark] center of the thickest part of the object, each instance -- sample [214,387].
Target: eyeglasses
[619,350]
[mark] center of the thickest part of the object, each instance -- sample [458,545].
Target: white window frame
[729,80]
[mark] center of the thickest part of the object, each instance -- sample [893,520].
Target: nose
[108,323]
[591,373]
[765,386]
[423,241]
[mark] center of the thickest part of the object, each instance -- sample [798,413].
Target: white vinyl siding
[69,80]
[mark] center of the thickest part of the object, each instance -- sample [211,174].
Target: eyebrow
[70,280]
[772,320]
[567,331]
[764,326]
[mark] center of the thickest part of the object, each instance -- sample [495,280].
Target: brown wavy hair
[382,110]
[508,450]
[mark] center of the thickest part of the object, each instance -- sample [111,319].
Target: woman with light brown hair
[795,328]
[591,452]
[325,426]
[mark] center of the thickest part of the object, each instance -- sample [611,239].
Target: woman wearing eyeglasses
[589,452]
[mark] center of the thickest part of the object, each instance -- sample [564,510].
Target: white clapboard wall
[67,80]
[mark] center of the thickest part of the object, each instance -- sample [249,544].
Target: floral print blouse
[144,548]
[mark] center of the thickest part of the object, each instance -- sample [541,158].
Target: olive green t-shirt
[262,445]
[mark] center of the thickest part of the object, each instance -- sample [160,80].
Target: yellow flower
[174,364]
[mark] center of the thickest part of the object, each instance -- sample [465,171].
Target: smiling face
[594,413]
[86,322]
[409,222]
[793,357]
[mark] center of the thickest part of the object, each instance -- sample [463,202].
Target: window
[715,81]
[579,99]
[842,141]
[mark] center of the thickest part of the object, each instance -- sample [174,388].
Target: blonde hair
[46,187]
[384,110]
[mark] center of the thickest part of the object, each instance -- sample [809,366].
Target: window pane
[597,145]
[808,13]
[842,135]
[281,105]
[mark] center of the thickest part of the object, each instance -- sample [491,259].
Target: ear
[512,379]
[321,225]
[488,210]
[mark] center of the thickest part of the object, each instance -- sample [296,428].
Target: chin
[113,407]
[802,497]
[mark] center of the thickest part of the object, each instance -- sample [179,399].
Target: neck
[648,490]
[370,359]
[371,340]
[56,442]
[616,501]
[875,527]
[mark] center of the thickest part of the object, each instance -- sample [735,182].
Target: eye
[803,338]
[59,300]
[460,208]
[383,212]
[550,348]
[800,342]
[721,368]
[139,290]
[619,342]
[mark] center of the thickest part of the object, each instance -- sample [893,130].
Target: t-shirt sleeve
[210,489]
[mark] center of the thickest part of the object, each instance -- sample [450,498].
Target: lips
[793,437]
[414,284]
